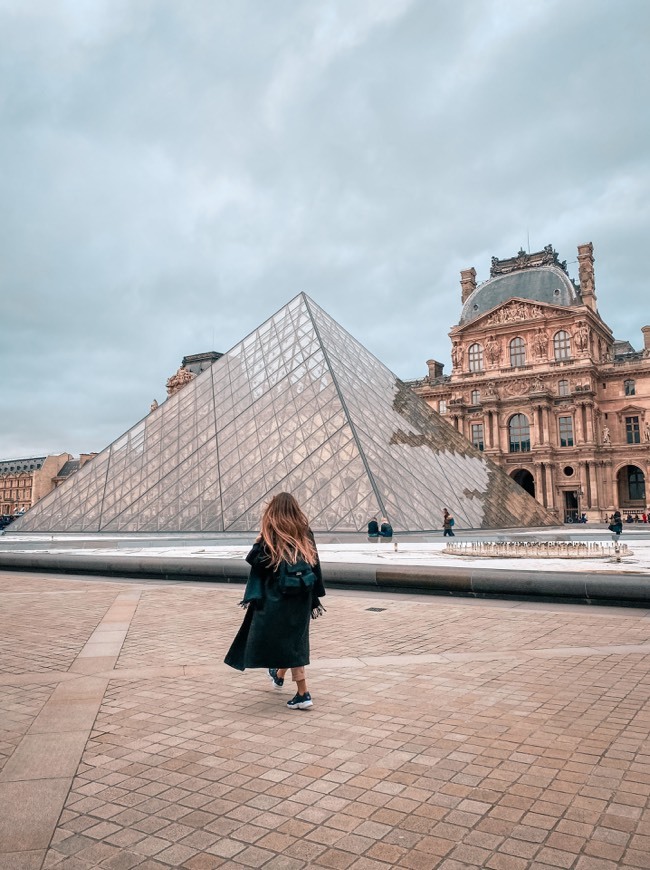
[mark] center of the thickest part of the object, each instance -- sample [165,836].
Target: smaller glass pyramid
[299,405]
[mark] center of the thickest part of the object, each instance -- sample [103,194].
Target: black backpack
[292,579]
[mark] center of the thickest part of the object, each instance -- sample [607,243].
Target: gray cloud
[175,172]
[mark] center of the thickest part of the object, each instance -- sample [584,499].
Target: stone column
[538,433]
[589,413]
[583,471]
[546,418]
[577,422]
[595,501]
[550,487]
[610,496]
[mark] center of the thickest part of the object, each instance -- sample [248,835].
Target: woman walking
[282,594]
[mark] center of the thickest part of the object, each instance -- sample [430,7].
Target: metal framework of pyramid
[299,405]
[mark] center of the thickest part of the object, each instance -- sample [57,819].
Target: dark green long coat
[275,630]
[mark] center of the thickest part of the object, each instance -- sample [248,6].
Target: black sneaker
[300,702]
[277,681]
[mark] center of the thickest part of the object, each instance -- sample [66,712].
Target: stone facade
[24,481]
[540,384]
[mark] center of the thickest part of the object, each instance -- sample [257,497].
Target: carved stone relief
[537,385]
[514,311]
[517,387]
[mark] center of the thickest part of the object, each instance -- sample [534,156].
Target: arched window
[562,345]
[519,432]
[517,352]
[475,397]
[635,483]
[475,356]
[563,388]
[630,387]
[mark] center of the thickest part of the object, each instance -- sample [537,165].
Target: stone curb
[624,589]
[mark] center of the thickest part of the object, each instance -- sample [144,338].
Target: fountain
[538,549]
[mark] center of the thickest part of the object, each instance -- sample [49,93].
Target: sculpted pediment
[513,311]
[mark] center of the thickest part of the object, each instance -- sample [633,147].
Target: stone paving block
[30,810]
[62,714]
[45,756]
[92,664]
[22,860]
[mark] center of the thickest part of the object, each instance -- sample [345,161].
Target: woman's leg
[298,676]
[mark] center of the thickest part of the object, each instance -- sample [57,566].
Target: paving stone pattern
[445,734]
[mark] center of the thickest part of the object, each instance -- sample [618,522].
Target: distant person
[629,519]
[583,518]
[616,524]
[447,524]
[282,594]
[385,531]
[373,530]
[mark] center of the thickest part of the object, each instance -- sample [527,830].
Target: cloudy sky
[174,171]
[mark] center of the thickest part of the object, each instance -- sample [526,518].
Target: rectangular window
[476,397]
[477,435]
[632,430]
[566,431]
[442,407]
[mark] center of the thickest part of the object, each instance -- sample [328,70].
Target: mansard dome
[548,283]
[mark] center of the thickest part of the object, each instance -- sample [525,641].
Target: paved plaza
[446,733]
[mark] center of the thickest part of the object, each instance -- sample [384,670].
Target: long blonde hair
[285,531]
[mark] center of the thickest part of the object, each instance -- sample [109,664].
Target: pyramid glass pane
[298,405]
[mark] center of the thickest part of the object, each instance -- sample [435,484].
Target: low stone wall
[603,588]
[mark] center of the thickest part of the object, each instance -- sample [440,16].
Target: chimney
[435,368]
[646,339]
[467,283]
[586,273]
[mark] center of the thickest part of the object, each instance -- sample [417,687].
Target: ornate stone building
[540,383]
[24,481]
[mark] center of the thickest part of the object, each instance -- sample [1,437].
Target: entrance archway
[631,487]
[525,480]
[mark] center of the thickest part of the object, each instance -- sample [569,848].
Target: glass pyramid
[299,405]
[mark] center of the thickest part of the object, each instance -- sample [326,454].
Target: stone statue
[540,343]
[154,405]
[179,380]
[456,355]
[490,390]
[492,350]
[606,438]
[582,336]
[646,430]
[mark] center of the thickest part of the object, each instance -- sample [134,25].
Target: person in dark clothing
[616,524]
[275,631]
[447,524]
[385,530]
[373,530]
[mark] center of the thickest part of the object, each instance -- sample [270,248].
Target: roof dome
[549,284]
